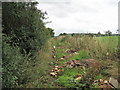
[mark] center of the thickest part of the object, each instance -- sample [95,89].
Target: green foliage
[60,55]
[51,32]
[63,80]
[100,77]
[68,77]
[83,54]
[74,71]
[10,62]
[100,49]
[62,34]
[89,47]
[72,34]
[108,33]
[99,34]
[24,34]
[23,22]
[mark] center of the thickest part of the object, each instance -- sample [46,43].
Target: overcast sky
[81,16]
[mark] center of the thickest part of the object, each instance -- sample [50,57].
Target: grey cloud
[80,16]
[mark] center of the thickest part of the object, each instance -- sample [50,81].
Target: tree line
[107,33]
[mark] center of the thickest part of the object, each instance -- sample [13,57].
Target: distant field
[96,46]
[109,40]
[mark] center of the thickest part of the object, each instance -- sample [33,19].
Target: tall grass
[22,71]
[39,73]
[97,47]
[100,48]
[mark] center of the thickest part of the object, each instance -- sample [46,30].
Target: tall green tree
[108,33]
[23,22]
[99,34]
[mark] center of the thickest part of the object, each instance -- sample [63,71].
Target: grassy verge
[100,48]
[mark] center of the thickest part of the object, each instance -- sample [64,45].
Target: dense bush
[11,59]
[24,34]
[23,22]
